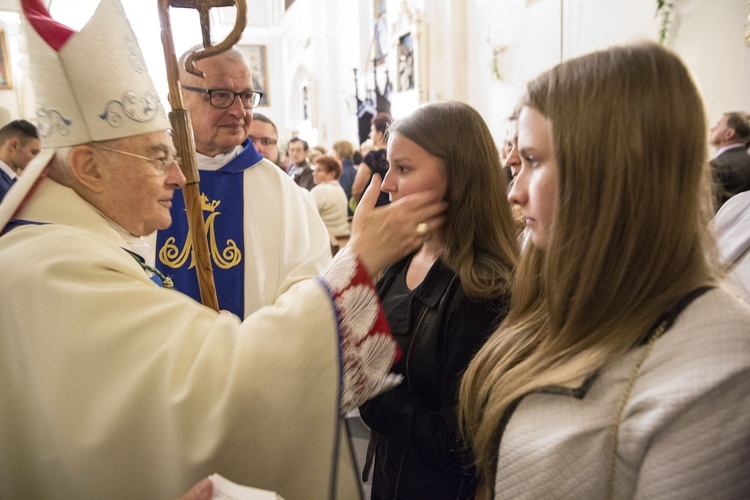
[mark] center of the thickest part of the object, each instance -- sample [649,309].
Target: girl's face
[535,186]
[412,169]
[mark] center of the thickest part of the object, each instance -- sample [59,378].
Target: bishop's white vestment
[112,387]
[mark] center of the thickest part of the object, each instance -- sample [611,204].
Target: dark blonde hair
[344,149]
[628,239]
[479,239]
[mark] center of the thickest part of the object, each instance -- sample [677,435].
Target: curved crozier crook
[226,44]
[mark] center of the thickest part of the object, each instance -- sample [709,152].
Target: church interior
[327,68]
[320,63]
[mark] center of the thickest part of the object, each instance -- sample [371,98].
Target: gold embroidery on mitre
[171,255]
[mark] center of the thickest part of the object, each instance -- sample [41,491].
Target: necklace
[166,282]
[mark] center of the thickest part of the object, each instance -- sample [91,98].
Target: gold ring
[422,229]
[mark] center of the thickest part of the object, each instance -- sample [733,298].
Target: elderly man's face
[217,130]
[136,194]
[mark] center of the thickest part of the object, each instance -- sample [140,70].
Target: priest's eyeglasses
[162,164]
[224,98]
[263,141]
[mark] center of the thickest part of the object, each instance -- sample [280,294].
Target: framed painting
[256,59]
[380,36]
[405,62]
[408,60]
[6,79]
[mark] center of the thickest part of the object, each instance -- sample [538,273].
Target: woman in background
[375,161]
[623,367]
[442,302]
[329,196]
[344,151]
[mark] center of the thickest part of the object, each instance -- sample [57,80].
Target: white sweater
[331,201]
[684,432]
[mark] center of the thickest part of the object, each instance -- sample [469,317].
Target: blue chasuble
[222,199]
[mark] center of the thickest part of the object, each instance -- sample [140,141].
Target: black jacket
[730,172]
[418,453]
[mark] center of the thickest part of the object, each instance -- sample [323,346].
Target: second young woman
[623,367]
[442,302]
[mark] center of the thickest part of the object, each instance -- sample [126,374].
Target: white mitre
[94,86]
[90,85]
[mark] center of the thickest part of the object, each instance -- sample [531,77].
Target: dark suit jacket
[5,183]
[305,178]
[731,174]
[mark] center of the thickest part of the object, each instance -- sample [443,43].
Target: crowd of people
[566,317]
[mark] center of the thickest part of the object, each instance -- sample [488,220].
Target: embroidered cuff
[368,350]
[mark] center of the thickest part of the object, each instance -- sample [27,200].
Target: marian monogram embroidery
[171,255]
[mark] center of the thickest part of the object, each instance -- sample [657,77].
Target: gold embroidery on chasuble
[173,256]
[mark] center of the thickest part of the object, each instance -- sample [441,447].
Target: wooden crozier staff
[182,128]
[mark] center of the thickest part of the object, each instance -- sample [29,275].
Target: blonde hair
[344,149]
[628,239]
[479,239]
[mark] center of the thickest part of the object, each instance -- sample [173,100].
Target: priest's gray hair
[233,53]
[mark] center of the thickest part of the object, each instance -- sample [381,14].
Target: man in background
[730,167]
[19,143]
[265,233]
[299,167]
[265,137]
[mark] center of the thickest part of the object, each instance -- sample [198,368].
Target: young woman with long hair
[442,302]
[623,366]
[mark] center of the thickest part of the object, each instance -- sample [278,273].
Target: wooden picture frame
[256,58]
[6,78]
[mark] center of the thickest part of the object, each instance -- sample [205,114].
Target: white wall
[530,33]
[710,39]
[319,42]
[12,100]
[708,35]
